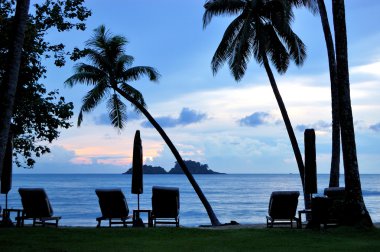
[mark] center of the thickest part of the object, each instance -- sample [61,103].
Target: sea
[240,197]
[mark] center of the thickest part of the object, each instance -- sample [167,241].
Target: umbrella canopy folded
[137,162]
[6,177]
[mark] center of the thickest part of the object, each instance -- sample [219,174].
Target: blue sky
[233,127]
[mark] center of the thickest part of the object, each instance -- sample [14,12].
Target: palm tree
[318,6]
[262,30]
[355,211]
[110,76]
[9,84]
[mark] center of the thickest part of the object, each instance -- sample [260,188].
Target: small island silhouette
[193,166]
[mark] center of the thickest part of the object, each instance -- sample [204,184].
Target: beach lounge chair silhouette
[165,205]
[282,208]
[37,207]
[113,205]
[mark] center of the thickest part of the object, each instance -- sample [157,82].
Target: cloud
[186,117]
[320,126]
[372,69]
[256,119]
[375,127]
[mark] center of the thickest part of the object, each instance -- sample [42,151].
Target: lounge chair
[337,196]
[37,207]
[165,205]
[282,208]
[113,205]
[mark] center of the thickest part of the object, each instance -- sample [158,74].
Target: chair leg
[99,222]
[110,222]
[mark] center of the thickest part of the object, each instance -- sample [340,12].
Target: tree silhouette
[262,30]
[110,75]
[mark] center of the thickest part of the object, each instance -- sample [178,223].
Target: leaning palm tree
[261,30]
[110,75]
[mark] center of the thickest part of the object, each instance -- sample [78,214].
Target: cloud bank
[186,117]
[256,119]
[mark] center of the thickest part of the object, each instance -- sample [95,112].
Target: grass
[187,239]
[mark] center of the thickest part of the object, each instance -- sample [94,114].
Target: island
[148,169]
[193,166]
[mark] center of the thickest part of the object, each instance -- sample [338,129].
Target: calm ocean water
[240,197]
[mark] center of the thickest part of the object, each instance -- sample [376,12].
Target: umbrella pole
[138,202]
[6,201]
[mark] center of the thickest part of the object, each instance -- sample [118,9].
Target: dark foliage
[39,114]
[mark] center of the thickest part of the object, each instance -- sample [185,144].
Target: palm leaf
[312,5]
[242,48]
[276,50]
[225,48]
[134,94]
[80,118]
[86,74]
[294,44]
[221,7]
[135,73]
[117,111]
[95,96]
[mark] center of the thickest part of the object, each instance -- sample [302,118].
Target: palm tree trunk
[355,211]
[289,128]
[335,148]
[214,220]
[9,85]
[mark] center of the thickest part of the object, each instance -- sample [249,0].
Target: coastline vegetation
[187,239]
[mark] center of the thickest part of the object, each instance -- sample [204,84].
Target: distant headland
[193,166]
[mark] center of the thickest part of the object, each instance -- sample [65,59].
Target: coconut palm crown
[109,68]
[261,29]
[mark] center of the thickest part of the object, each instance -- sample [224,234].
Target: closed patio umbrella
[137,170]
[6,176]
[310,162]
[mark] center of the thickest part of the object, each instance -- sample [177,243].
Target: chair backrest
[35,202]
[165,202]
[112,203]
[283,204]
[335,193]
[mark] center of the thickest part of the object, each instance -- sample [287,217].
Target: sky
[234,127]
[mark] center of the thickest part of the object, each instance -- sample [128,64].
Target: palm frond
[226,45]
[117,111]
[135,73]
[294,44]
[99,59]
[242,49]
[80,118]
[95,96]
[277,52]
[134,93]
[221,7]
[125,60]
[312,5]
[102,38]
[86,74]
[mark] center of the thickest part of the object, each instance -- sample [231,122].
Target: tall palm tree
[262,30]
[318,6]
[355,211]
[110,74]
[9,84]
